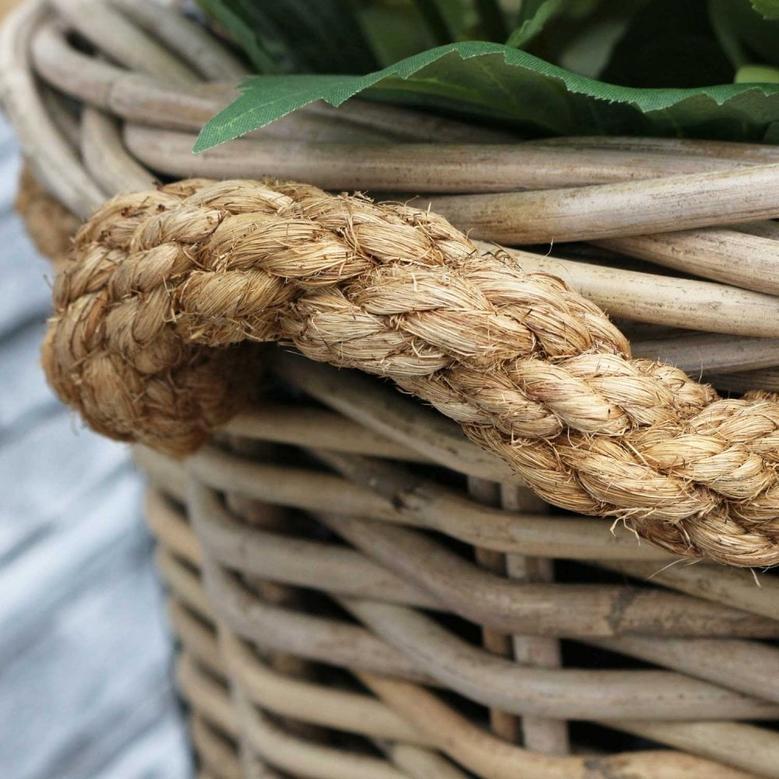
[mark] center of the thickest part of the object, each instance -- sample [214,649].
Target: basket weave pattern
[347,526]
[307,571]
[358,590]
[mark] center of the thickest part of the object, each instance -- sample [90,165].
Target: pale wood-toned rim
[734,256]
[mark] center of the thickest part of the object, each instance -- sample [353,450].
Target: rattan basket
[358,591]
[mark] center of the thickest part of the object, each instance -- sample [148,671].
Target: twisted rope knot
[153,318]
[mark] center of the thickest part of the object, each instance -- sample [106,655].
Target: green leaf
[446,21]
[726,32]
[321,36]
[242,33]
[745,36]
[588,52]
[488,81]
[768,9]
[669,43]
[550,29]
[394,31]
[433,12]
[533,16]
[757,74]
[492,18]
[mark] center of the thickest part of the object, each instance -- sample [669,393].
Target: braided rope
[149,343]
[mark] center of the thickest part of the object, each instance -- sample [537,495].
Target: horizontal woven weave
[167,287]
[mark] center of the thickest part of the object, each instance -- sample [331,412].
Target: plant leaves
[438,23]
[500,84]
[242,33]
[576,34]
[492,20]
[669,43]
[320,36]
[394,31]
[533,16]
[768,9]
[726,32]
[762,74]
[745,36]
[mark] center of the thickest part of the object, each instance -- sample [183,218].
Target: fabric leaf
[499,84]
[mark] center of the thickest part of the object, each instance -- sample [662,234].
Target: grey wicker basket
[359,591]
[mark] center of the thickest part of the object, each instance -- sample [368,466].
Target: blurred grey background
[85,653]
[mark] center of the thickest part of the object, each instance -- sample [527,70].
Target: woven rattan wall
[358,590]
[355,552]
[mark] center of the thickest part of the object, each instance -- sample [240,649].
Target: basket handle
[168,287]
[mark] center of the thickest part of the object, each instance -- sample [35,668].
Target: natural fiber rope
[149,338]
[48,223]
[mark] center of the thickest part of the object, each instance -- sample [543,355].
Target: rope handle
[167,288]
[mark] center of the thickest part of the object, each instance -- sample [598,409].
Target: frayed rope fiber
[166,288]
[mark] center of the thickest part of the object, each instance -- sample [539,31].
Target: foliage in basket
[657,67]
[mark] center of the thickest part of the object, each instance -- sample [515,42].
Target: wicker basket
[359,592]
